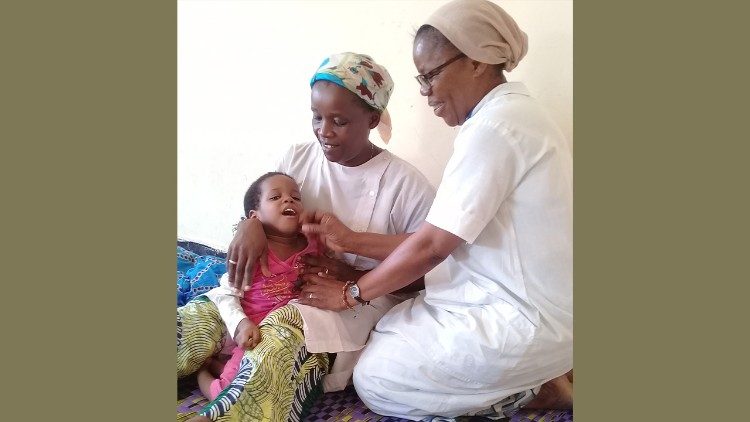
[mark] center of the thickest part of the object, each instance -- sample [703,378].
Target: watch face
[354,291]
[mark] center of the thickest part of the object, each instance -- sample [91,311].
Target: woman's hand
[247,335]
[323,292]
[332,232]
[333,268]
[248,247]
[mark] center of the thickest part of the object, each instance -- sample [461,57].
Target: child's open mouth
[289,212]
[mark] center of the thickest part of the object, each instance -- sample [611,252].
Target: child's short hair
[252,196]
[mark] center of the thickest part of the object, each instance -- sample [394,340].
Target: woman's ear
[374,119]
[479,68]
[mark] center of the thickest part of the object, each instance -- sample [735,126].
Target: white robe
[503,321]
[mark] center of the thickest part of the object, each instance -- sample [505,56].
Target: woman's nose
[325,129]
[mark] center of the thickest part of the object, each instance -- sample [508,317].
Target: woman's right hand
[332,232]
[249,246]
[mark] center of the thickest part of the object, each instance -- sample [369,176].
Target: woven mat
[189,398]
[344,406]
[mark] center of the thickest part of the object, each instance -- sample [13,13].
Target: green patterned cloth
[200,334]
[277,381]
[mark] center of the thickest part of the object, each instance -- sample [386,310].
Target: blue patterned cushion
[196,273]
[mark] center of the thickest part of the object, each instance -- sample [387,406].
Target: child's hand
[247,335]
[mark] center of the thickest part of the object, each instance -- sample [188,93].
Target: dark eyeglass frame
[426,78]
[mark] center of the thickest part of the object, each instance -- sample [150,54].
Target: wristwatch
[354,293]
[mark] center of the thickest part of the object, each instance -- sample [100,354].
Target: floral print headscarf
[361,75]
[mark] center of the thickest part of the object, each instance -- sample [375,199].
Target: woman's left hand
[323,292]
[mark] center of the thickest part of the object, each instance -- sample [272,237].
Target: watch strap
[357,297]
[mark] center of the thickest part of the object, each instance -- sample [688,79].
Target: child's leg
[216,365]
[213,385]
[209,372]
[205,380]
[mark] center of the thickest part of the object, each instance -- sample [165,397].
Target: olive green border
[89,186]
[658,181]
[88,174]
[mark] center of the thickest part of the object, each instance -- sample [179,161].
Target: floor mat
[190,401]
[345,406]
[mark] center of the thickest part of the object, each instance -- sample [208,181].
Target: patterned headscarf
[481,30]
[361,75]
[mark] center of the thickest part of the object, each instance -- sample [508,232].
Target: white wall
[243,93]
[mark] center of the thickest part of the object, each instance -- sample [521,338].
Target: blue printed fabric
[196,274]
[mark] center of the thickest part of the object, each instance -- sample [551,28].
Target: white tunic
[385,195]
[503,321]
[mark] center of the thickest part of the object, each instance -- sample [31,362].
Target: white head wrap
[481,30]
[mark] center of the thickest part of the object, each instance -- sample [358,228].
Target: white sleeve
[284,162]
[486,166]
[412,204]
[228,303]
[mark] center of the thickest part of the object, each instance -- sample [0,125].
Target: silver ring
[326,271]
[233,262]
[309,296]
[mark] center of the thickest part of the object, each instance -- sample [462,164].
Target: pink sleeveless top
[269,293]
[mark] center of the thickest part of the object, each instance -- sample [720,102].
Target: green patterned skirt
[277,381]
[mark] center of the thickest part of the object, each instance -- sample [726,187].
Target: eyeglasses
[424,79]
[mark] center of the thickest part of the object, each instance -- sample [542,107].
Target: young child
[275,200]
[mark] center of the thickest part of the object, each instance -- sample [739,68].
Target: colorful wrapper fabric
[201,333]
[278,380]
[361,75]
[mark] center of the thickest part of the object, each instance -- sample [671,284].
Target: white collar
[502,89]
[380,161]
